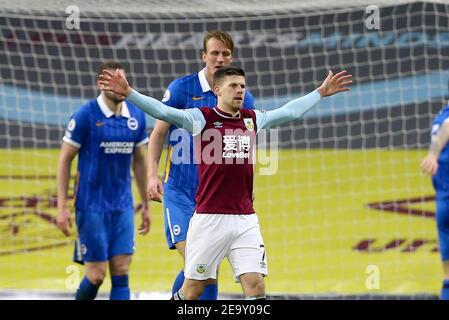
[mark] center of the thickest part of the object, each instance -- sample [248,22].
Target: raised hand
[115,82]
[335,83]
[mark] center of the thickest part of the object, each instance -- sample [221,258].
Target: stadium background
[347,197]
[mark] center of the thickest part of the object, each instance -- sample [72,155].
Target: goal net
[343,208]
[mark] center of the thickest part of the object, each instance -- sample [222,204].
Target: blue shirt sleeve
[435,128]
[78,128]
[441,117]
[248,103]
[290,111]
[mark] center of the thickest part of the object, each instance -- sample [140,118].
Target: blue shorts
[442,217]
[103,235]
[179,204]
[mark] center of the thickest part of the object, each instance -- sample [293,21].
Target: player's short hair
[220,74]
[222,36]
[111,64]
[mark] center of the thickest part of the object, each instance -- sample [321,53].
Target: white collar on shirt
[203,81]
[107,112]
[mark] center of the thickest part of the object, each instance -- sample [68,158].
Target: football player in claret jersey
[224,223]
[436,164]
[108,135]
[181,173]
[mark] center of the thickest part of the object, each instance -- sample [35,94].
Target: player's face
[114,97]
[217,56]
[231,92]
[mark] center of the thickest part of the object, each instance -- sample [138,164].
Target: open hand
[115,82]
[335,83]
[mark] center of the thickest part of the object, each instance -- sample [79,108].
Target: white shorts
[212,237]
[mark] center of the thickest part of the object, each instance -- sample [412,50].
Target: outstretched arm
[296,108]
[429,165]
[190,119]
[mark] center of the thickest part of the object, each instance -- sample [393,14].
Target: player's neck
[210,78]
[229,110]
[115,107]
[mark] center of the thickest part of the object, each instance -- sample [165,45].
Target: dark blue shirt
[106,144]
[441,178]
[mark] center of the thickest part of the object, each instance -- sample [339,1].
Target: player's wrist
[152,172]
[145,205]
[434,155]
[62,205]
[129,90]
[320,91]
[63,212]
